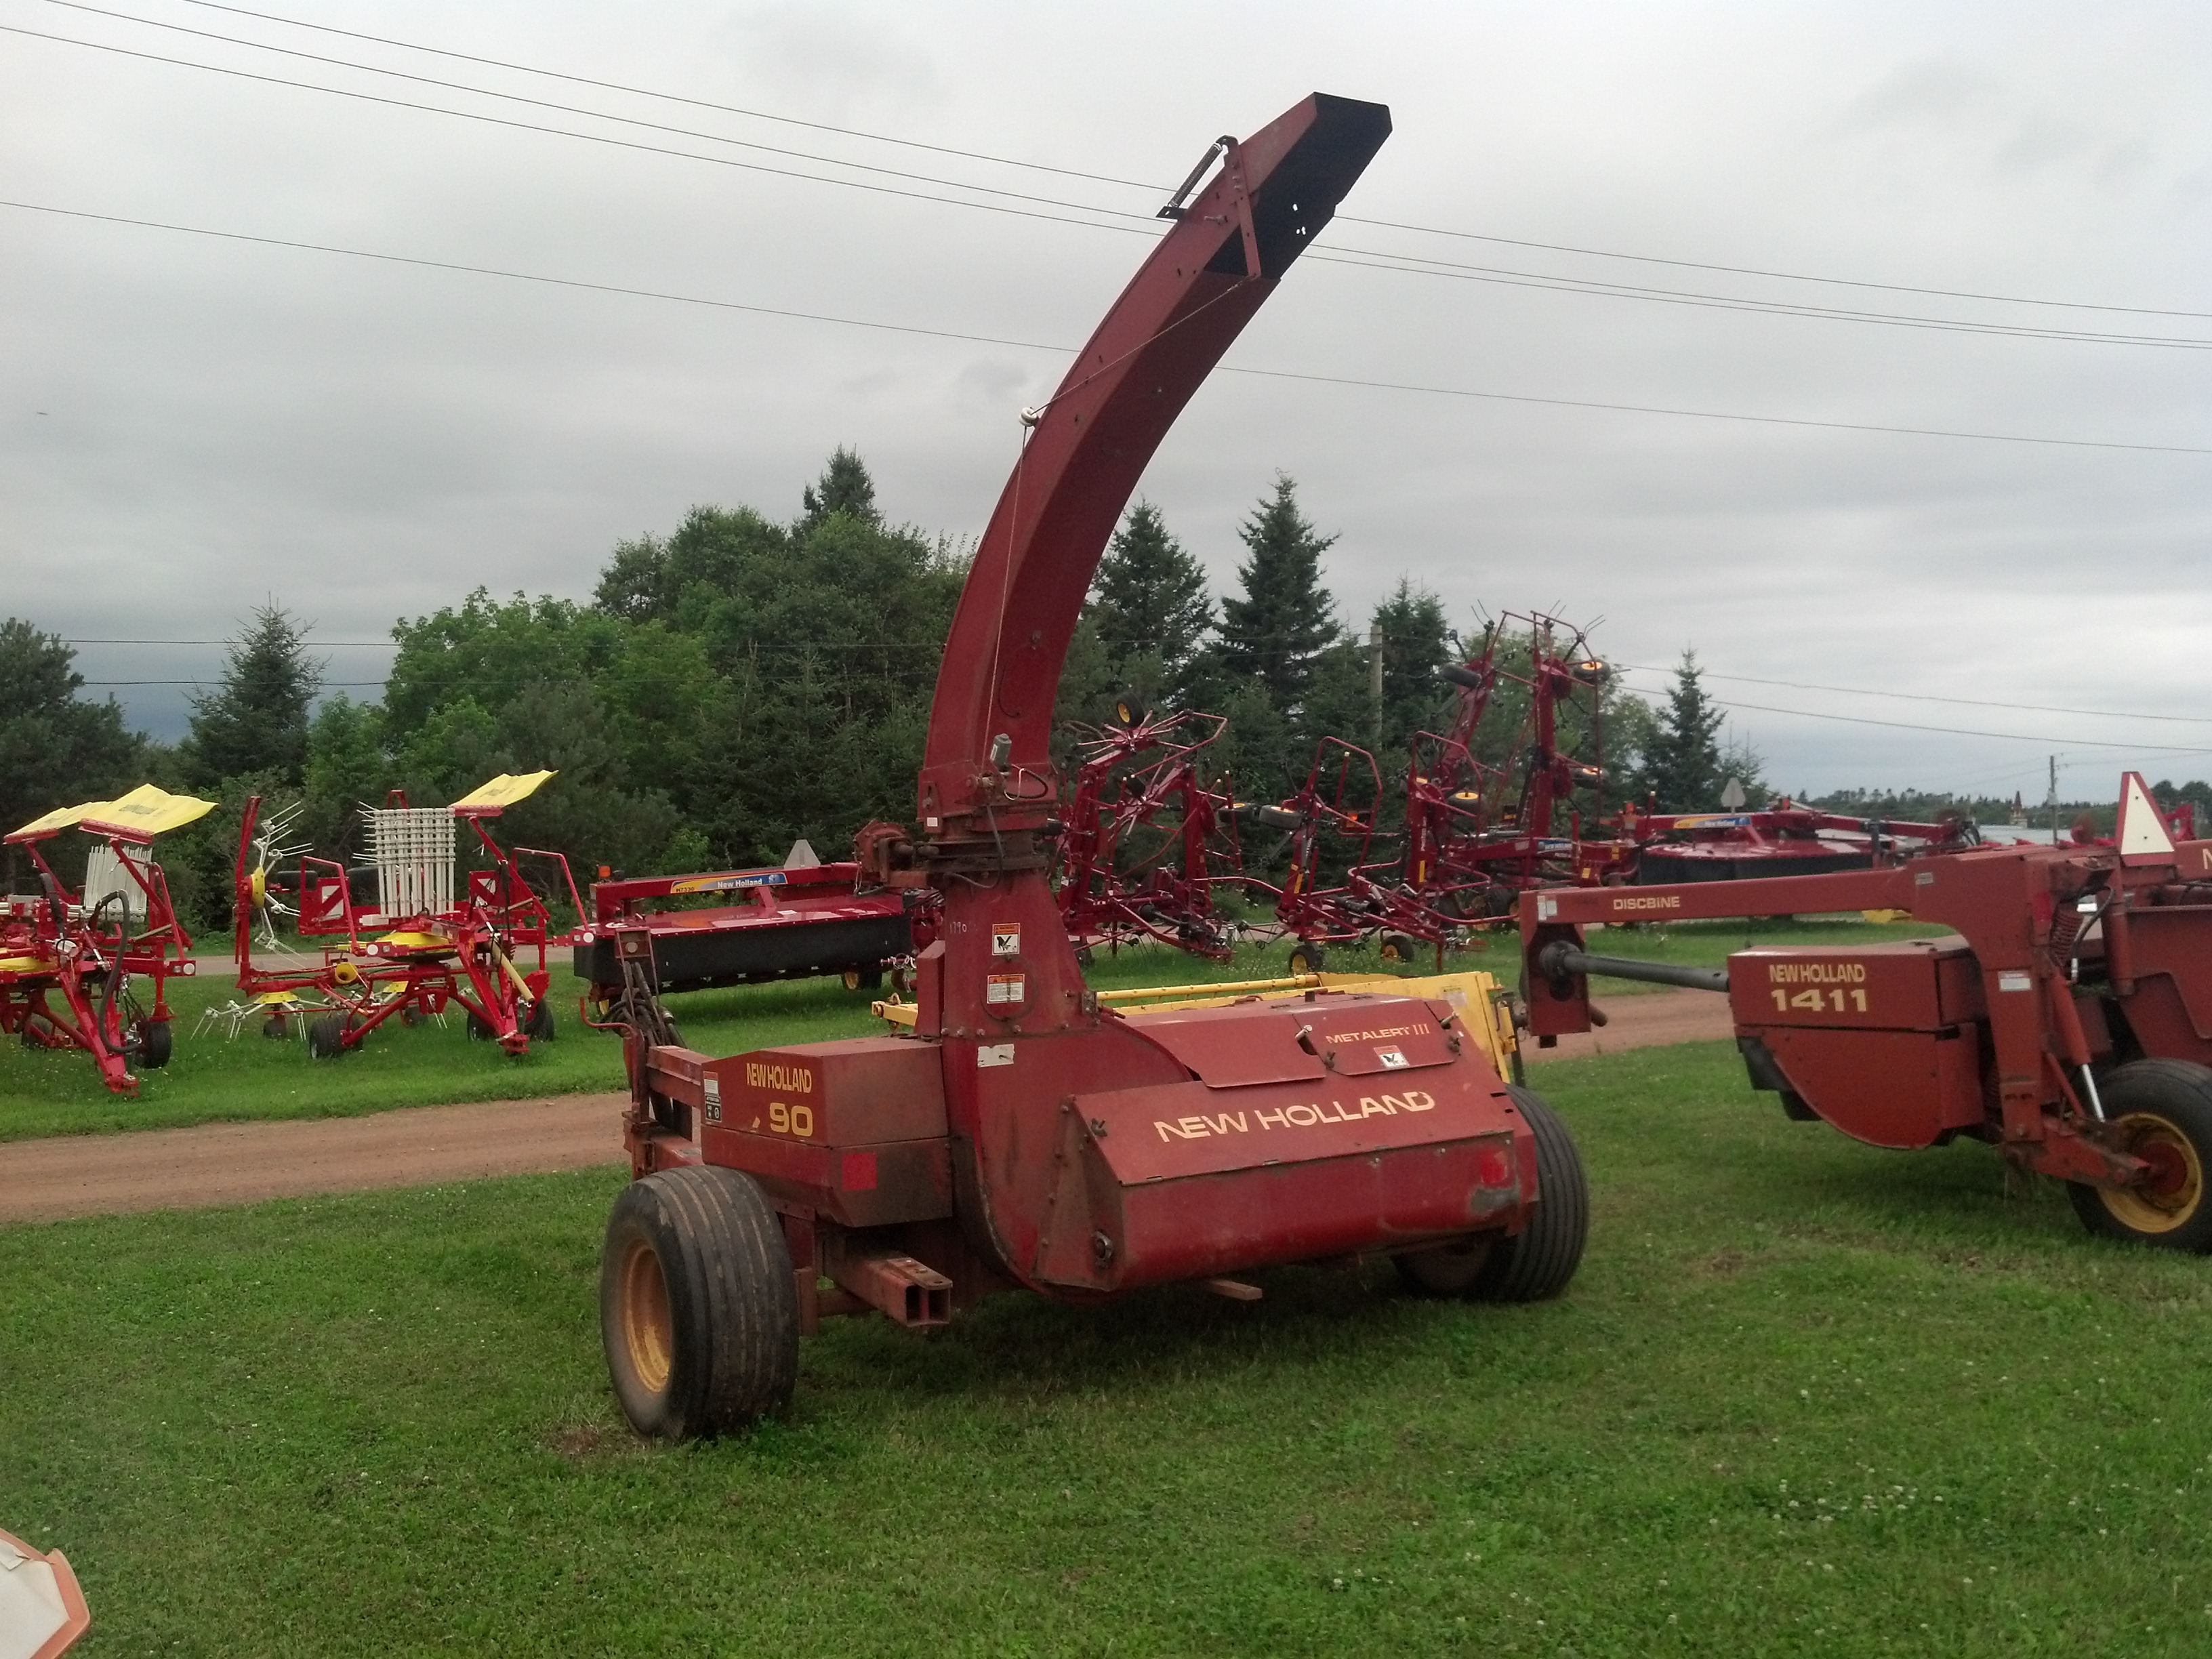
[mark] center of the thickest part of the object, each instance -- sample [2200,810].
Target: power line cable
[1035,345]
[1753,270]
[696,103]
[1147,226]
[571,109]
[1950,731]
[1928,697]
[1365,259]
[1334,253]
[1137,183]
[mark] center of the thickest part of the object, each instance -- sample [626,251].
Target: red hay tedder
[428,942]
[1025,1135]
[2067,1023]
[84,948]
[1146,839]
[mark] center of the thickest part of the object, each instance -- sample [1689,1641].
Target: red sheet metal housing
[1023,1134]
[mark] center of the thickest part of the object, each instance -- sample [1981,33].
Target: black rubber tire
[698,1306]
[326,1038]
[539,1026]
[1395,947]
[1448,1270]
[480,1028]
[1540,1263]
[276,1027]
[2165,1104]
[156,1042]
[1307,958]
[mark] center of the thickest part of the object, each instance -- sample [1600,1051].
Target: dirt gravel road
[69,1175]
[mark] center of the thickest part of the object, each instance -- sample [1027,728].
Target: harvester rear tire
[326,1038]
[1540,1263]
[156,1042]
[2163,1109]
[698,1306]
[538,1027]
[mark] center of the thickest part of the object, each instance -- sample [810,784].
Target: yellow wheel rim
[2174,1190]
[649,1331]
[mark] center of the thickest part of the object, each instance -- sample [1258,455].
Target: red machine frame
[51,944]
[2079,972]
[426,956]
[1024,1135]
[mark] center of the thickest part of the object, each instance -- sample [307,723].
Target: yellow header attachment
[139,815]
[501,792]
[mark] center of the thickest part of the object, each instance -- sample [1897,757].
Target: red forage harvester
[1023,1134]
[67,958]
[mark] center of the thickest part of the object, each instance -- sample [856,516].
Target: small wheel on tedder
[2163,1111]
[480,1028]
[1538,1264]
[156,1042]
[1395,948]
[539,1026]
[326,1038]
[1307,958]
[698,1307]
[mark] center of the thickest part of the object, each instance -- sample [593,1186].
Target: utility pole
[1374,676]
[2051,800]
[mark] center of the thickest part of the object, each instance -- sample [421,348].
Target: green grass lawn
[215,1077]
[1805,1397]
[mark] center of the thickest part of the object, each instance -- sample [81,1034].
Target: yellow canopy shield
[502,791]
[59,819]
[144,813]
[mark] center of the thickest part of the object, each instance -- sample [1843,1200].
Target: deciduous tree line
[744,682]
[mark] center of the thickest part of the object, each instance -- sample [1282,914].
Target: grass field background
[1804,1398]
[215,1077]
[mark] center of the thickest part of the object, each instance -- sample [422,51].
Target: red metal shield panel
[1229,1048]
[1165,1133]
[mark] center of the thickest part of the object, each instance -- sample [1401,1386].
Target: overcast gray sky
[189,425]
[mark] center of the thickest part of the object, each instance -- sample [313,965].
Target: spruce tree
[1683,767]
[844,487]
[256,719]
[1279,629]
[1415,644]
[1149,600]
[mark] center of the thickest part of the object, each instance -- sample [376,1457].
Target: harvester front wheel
[698,1306]
[1538,1263]
[2162,1111]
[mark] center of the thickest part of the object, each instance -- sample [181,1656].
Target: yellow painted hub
[2174,1190]
[648,1330]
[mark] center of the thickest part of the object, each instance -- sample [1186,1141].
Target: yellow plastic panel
[501,793]
[143,814]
